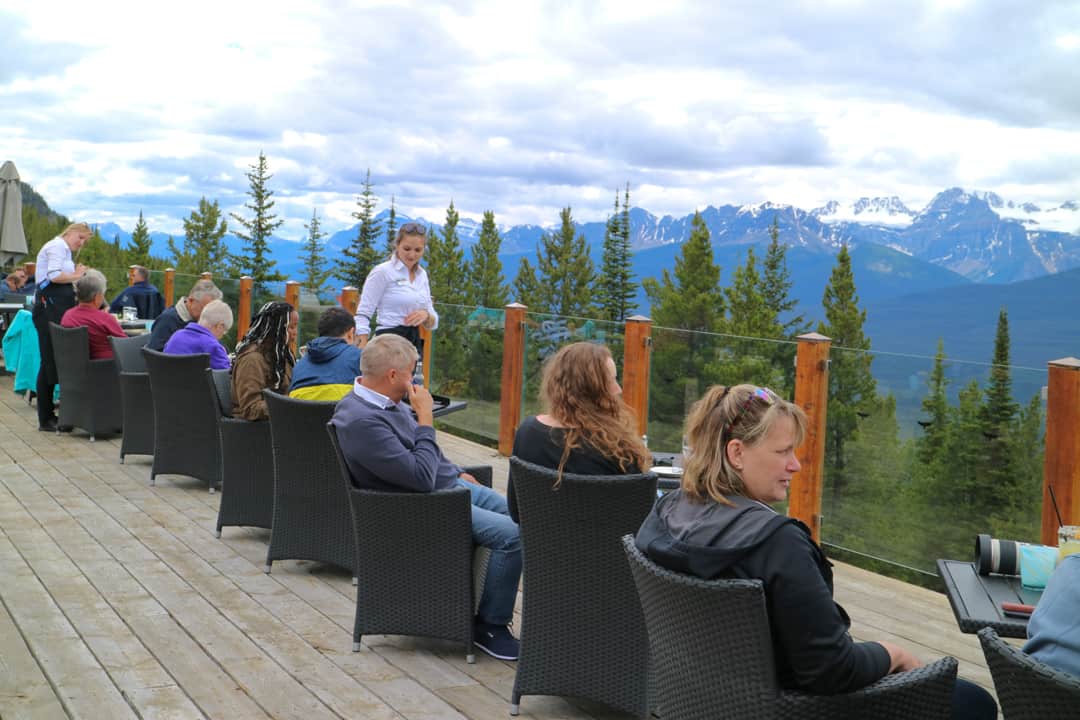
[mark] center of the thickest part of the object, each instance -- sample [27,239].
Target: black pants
[49,306]
[409,332]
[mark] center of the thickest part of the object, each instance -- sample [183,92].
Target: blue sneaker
[495,640]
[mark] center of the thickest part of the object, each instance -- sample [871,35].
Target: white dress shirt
[390,295]
[53,258]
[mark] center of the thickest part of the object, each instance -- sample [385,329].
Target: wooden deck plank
[25,692]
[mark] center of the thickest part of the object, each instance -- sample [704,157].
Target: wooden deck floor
[117,601]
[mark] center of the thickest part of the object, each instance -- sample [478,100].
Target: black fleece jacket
[811,644]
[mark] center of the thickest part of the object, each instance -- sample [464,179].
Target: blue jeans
[492,528]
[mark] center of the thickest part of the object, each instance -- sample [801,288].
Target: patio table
[976,599]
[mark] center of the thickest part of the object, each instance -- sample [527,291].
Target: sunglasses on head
[759,393]
[413,228]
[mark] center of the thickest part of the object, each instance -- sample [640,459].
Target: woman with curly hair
[264,359]
[587,429]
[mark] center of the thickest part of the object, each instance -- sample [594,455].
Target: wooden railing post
[513,376]
[637,353]
[425,335]
[243,308]
[1061,459]
[812,395]
[170,286]
[292,296]
[131,275]
[350,299]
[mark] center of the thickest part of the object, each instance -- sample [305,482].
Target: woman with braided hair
[264,360]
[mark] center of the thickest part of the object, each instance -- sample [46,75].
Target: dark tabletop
[976,599]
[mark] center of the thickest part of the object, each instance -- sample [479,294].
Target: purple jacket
[194,338]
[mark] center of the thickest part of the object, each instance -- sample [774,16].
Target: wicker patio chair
[582,631]
[311,519]
[186,439]
[135,398]
[247,463]
[1026,688]
[405,587]
[90,391]
[713,656]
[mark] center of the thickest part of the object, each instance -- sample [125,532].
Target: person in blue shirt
[142,296]
[1054,629]
[332,362]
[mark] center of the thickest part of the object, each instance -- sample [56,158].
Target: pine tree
[485,286]
[254,258]
[361,256]
[776,285]
[204,246]
[852,388]
[526,286]
[391,228]
[138,250]
[445,261]
[936,407]
[749,314]
[314,262]
[998,416]
[565,271]
[690,298]
[615,287]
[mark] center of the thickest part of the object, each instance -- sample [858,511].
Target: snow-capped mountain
[887,211]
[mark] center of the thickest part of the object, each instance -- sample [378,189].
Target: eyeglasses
[760,393]
[413,228]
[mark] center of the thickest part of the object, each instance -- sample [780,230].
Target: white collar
[399,266]
[375,398]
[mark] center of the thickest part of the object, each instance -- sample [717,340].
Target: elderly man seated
[100,325]
[205,336]
[186,310]
[386,449]
[142,296]
[332,361]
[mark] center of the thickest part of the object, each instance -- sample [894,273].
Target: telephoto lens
[1001,557]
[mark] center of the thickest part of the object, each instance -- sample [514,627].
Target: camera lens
[1001,557]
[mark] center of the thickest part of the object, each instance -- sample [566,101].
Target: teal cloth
[21,353]
[1036,565]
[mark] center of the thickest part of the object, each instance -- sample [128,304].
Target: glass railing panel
[684,364]
[546,333]
[466,364]
[913,475]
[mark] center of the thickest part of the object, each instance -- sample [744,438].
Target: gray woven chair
[713,654]
[1026,688]
[311,519]
[247,463]
[90,392]
[582,631]
[186,439]
[137,403]
[405,587]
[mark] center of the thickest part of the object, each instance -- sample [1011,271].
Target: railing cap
[1069,363]
[638,318]
[516,305]
[813,337]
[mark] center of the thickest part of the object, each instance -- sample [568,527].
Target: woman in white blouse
[397,293]
[55,294]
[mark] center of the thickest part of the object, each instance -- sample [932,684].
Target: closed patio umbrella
[12,237]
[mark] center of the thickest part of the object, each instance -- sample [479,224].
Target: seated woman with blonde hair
[587,429]
[719,524]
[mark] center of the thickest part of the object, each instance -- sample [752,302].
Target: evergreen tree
[936,408]
[204,246]
[314,262]
[362,256]
[615,287]
[997,419]
[776,286]
[566,271]
[138,250]
[485,285]
[445,261]
[526,286]
[391,228]
[690,298]
[254,258]
[749,314]
[851,385]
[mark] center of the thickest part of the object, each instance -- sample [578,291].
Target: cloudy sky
[523,107]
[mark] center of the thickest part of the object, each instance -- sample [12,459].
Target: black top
[166,324]
[543,445]
[811,644]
